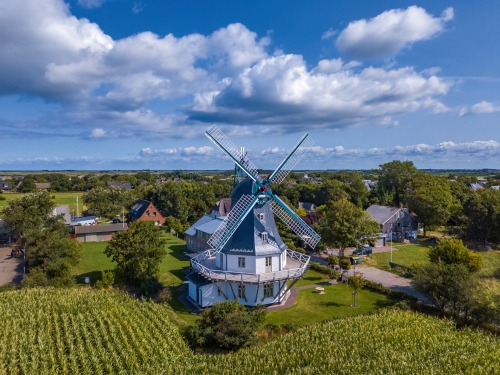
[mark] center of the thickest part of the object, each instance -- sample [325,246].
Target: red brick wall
[152,211]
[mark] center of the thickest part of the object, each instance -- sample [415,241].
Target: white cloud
[479,108]
[148,152]
[227,77]
[138,7]
[90,3]
[281,90]
[98,133]
[389,32]
[330,33]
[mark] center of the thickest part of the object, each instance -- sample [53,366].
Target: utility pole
[77,206]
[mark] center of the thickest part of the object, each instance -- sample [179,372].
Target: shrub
[452,251]
[2,198]
[300,250]
[164,296]
[108,278]
[319,267]
[345,263]
[236,330]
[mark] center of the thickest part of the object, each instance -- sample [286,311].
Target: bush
[496,273]
[108,278]
[300,250]
[320,268]
[2,198]
[392,293]
[164,296]
[236,330]
[345,263]
[452,251]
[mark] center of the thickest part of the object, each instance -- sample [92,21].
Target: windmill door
[269,264]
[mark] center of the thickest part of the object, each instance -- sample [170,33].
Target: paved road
[10,268]
[385,278]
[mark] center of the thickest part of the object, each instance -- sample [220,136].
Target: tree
[27,186]
[450,286]
[138,253]
[430,198]
[483,214]
[102,201]
[453,251]
[227,324]
[393,178]
[52,256]
[28,214]
[344,225]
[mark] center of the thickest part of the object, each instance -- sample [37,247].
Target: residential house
[145,211]
[495,187]
[475,186]
[307,206]
[198,234]
[5,185]
[160,180]
[4,178]
[42,185]
[222,207]
[64,211]
[120,184]
[84,221]
[97,233]
[396,223]
[369,184]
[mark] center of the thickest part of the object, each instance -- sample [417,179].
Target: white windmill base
[210,284]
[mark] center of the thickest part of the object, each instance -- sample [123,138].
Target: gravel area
[11,269]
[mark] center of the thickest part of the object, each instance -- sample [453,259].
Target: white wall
[232,263]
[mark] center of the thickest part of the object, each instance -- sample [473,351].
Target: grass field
[406,255]
[60,199]
[311,307]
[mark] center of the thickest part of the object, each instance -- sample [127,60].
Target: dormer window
[263,235]
[261,217]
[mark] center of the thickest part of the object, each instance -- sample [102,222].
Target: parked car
[366,250]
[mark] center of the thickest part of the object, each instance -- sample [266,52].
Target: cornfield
[92,332]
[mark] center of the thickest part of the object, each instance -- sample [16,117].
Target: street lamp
[391,241]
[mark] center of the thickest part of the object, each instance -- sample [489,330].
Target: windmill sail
[296,224]
[232,222]
[225,144]
[292,159]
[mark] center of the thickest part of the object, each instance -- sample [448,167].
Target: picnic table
[320,290]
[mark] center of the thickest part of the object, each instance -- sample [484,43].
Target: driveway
[11,269]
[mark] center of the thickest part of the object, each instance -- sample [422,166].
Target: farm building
[42,185]
[97,233]
[5,186]
[64,211]
[396,223]
[85,220]
[145,211]
[198,234]
[222,207]
[119,184]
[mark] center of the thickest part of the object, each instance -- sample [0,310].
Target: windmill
[247,251]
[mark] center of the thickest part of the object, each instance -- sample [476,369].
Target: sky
[129,84]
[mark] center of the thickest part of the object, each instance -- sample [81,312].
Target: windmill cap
[243,188]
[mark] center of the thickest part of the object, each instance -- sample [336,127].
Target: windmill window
[241,262]
[241,290]
[263,235]
[268,290]
[261,217]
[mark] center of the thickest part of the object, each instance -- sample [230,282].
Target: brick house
[145,210]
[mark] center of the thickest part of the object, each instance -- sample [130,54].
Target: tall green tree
[483,215]
[138,253]
[105,201]
[393,178]
[430,198]
[52,256]
[28,214]
[27,186]
[344,225]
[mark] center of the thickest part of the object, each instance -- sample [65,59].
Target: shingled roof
[222,207]
[100,228]
[119,184]
[382,213]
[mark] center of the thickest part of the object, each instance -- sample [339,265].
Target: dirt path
[11,269]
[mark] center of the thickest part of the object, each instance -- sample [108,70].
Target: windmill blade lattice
[296,224]
[225,144]
[292,159]
[225,230]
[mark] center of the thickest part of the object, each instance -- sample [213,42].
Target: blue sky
[119,84]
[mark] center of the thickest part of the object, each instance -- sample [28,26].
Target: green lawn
[311,307]
[311,277]
[402,254]
[60,199]
[406,255]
